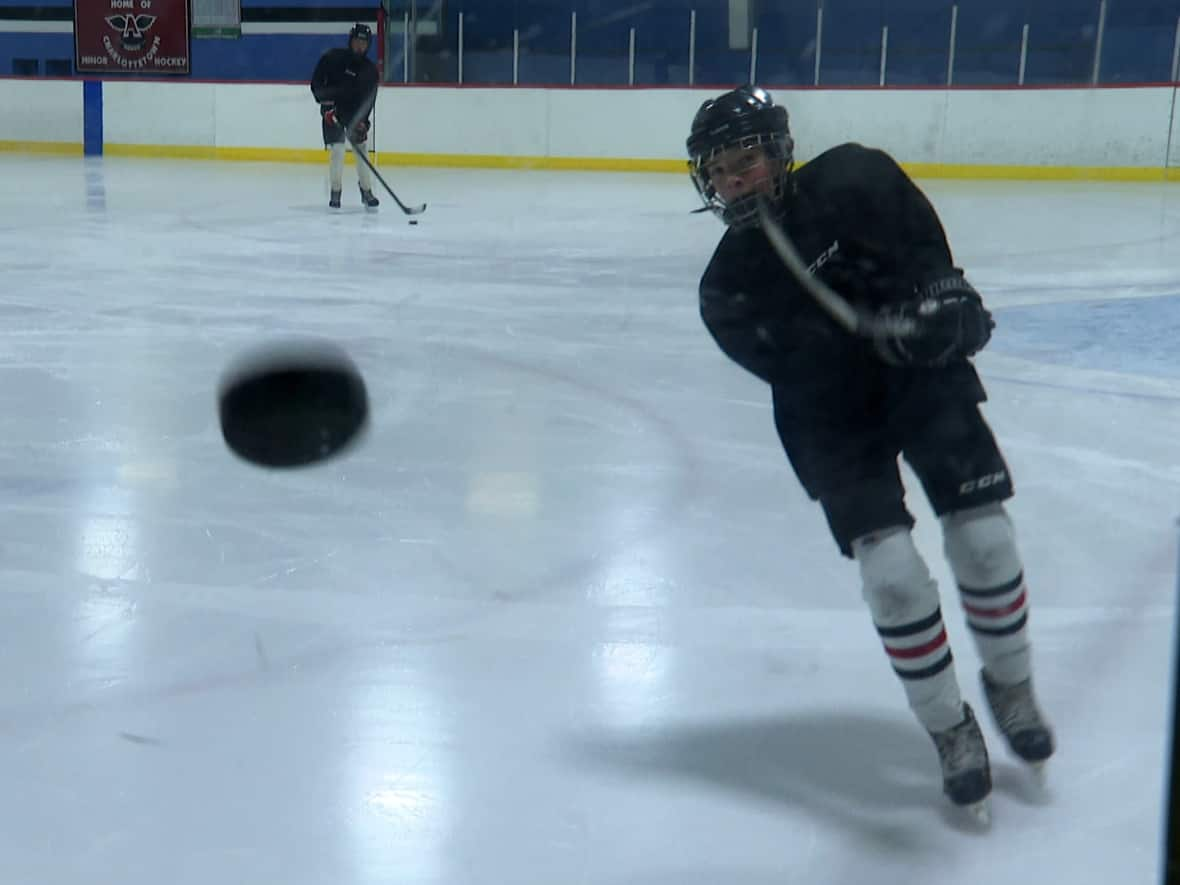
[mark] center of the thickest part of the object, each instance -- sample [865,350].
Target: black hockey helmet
[746,117]
[363,31]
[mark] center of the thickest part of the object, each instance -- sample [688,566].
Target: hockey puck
[413,221]
[292,405]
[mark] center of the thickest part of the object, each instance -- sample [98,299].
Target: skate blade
[977,815]
[1040,791]
[981,813]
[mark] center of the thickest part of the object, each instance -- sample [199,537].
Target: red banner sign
[131,36]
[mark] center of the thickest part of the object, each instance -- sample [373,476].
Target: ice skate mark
[1006,255]
[680,478]
[140,739]
[15,719]
[260,654]
[298,565]
[1076,388]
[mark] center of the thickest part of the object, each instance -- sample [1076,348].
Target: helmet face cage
[743,211]
[361,32]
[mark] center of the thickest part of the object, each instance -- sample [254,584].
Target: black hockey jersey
[868,232]
[348,79]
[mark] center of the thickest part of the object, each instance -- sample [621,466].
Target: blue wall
[39,48]
[1137,46]
[264,57]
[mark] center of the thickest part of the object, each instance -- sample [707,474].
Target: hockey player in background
[845,407]
[345,84]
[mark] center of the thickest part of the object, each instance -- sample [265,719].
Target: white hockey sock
[336,166]
[363,176]
[903,599]
[980,545]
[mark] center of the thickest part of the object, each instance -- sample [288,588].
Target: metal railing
[629,71]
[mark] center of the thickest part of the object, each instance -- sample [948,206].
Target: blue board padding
[92,118]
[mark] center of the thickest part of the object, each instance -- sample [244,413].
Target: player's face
[740,171]
[359,45]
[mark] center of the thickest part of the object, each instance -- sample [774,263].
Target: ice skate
[369,201]
[334,200]
[1021,722]
[966,770]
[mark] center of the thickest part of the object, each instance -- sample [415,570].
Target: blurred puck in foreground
[292,404]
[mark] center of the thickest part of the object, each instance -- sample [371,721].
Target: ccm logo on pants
[983,482]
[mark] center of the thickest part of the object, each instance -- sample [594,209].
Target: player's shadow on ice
[859,772]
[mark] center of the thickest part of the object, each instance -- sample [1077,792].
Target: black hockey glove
[360,131]
[950,323]
[328,111]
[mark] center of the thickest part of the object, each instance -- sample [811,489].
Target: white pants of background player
[336,167]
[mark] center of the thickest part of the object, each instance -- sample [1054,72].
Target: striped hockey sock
[980,545]
[904,603]
[921,656]
[998,618]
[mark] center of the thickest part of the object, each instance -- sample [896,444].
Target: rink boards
[1124,133]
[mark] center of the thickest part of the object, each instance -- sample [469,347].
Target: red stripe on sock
[997,612]
[920,650]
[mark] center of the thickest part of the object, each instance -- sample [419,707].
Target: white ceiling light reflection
[503,494]
[109,536]
[103,622]
[157,473]
[638,572]
[634,588]
[400,799]
[633,678]
[397,773]
[107,549]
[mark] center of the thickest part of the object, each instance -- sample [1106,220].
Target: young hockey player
[846,407]
[345,85]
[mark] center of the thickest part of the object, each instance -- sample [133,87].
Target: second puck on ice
[413,221]
[292,405]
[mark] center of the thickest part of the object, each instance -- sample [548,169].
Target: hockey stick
[409,210]
[360,154]
[856,320]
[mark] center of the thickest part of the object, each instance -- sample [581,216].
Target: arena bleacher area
[658,43]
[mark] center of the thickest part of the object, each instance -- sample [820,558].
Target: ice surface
[566,616]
